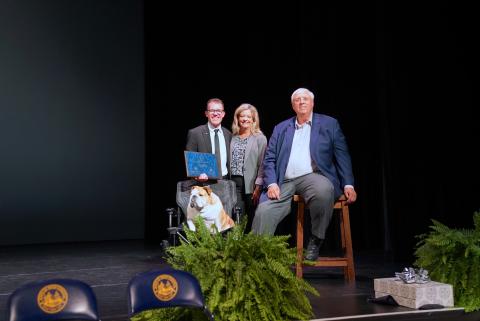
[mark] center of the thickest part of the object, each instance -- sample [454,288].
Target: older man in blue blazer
[306,155]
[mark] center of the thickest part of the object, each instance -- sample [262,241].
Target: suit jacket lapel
[314,134]
[206,138]
[250,141]
[290,132]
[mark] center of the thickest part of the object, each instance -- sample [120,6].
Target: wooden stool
[345,261]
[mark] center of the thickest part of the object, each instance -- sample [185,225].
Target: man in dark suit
[202,138]
[306,155]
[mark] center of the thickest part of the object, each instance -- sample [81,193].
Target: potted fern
[243,277]
[453,256]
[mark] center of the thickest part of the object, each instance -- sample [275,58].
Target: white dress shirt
[223,146]
[300,162]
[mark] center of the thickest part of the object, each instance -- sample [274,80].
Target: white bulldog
[204,202]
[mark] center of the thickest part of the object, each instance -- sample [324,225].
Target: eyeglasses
[215,111]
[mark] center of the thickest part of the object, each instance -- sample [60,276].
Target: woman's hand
[256,194]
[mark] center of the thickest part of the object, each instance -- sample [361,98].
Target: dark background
[85,84]
[399,77]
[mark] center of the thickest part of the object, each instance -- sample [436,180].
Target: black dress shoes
[313,248]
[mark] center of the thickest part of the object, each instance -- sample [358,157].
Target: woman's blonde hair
[255,119]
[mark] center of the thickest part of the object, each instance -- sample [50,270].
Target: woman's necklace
[245,135]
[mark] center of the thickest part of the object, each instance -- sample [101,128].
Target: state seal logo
[52,298]
[165,287]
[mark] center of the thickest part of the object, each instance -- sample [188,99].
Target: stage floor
[108,266]
[342,301]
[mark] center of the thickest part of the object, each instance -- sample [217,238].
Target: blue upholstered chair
[53,299]
[165,288]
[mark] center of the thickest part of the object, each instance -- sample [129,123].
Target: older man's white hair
[302,91]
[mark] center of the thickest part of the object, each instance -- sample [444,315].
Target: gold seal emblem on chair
[52,298]
[165,287]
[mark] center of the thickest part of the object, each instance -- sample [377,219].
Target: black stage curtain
[398,76]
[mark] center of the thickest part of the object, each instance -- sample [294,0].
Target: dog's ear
[208,189]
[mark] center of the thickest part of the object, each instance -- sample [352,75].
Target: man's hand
[273,192]
[350,194]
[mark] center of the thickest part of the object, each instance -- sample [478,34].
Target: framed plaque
[198,163]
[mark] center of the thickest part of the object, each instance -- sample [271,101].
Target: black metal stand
[174,230]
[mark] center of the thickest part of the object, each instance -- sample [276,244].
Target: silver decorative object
[422,276]
[411,275]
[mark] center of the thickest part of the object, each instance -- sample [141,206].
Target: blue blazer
[328,149]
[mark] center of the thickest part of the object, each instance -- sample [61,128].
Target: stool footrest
[331,261]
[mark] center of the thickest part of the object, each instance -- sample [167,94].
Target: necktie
[217,153]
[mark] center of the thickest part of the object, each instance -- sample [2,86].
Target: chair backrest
[165,288]
[53,299]
[225,190]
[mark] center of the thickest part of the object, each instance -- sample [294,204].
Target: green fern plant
[453,256]
[243,277]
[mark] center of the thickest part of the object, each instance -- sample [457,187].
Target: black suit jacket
[198,140]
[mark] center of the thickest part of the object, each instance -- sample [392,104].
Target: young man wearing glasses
[212,138]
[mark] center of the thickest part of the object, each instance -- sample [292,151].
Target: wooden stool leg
[300,211]
[342,234]
[345,261]
[350,269]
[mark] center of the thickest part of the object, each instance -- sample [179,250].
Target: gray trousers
[318,193]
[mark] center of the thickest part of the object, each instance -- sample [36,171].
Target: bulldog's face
[208,205]
[200,197]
